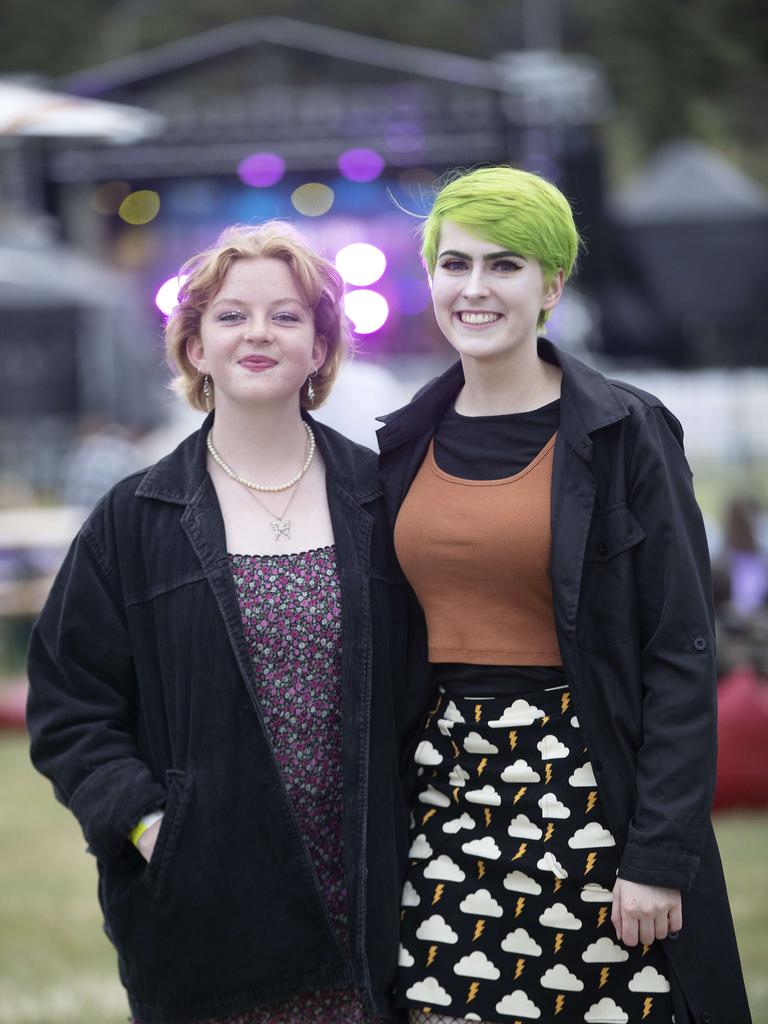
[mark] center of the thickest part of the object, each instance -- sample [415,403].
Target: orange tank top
[477,553]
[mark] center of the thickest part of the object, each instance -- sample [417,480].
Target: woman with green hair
[560,738]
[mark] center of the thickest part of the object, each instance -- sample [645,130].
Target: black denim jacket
[142,694]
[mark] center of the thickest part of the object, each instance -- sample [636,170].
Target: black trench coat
[634,619]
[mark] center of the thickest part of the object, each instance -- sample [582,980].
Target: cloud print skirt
[506,910]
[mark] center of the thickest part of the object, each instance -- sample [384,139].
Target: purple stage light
[413,295]
[260,170]
[167,296]
[361,164]
[367,310]
[360,263]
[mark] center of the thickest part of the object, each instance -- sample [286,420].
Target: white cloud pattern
[604,951]
[594,893]
[521,827]
[560,978]
[404,958]
[427,754]
[518,714]
[486,847]
[474,743]
[477,965]
[410,897]
[444,869]
[420,848]
[558,916]
[487,795]
[551,807]
[481,904]
[590,837]
[456,824]
[520,771]
[551,748]
[435,929]
[518,1004]
[520,942]
[518,881]
[429,992]
[606,1012]
[583,776]
[648,980]
[549,862]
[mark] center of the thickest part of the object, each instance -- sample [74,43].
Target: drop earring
[207,390]
[310,389]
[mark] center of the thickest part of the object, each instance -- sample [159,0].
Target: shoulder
[646,410]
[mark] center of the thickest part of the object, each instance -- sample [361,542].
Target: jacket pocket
[607,611]
[179,791]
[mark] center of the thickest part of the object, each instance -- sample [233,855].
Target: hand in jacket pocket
[147,840]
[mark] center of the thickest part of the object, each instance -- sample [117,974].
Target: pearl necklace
[311,447]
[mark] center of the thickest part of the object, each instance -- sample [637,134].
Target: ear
[319,351]
[195,353]
[554,290]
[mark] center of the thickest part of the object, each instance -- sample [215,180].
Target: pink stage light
[360,263]
[367,310]
[260,170]
[167,296]
[361,164]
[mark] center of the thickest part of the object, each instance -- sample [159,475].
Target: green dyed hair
[518,210]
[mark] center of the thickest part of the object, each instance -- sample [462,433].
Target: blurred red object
[742,762]
[13,704]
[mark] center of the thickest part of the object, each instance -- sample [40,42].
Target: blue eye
[453,265]
[230,316]
[286,318]
[505,266]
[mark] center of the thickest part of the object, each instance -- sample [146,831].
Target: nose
[259,330]
[475,284]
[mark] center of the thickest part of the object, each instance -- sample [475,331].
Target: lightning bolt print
[558,941]
[431,955]
[603,976]
[544,720]
[601,916]
[474,986]
[456,750]
[548,772]
[646,947]
[565,700]
[456,795]
[521,851]
[478,712]
[558,883]
[481,766]
[647,1004]
[428,815]
[591,800]
[591,858]
[487,813]
[550,830]
[559,1003]
[480,869]
[519,794]
[439,890]
[478,929]
[519,968]
[512,739]
[519,906]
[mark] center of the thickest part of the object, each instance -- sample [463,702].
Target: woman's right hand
[147,840]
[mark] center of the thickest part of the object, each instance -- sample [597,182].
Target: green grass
[57,967]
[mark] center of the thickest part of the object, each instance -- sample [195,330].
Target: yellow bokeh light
[107,198]
[313,199]
[140,207]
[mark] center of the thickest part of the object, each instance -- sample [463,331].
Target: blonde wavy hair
[203,274]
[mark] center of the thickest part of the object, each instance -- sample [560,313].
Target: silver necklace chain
[281,527]
[269,488]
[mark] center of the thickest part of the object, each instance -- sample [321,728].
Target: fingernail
[673,935]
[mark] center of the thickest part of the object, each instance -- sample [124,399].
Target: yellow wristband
[146,822]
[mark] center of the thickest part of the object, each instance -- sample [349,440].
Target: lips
[257,363]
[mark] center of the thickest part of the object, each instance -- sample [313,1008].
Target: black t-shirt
[493,447]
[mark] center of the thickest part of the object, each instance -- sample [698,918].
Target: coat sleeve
[676,762]
[82,705]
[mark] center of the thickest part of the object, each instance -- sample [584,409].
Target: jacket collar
[587,403]
[177,478]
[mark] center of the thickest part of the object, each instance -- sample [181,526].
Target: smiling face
[257,336]
[487,300]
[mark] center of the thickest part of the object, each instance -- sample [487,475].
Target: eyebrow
[488,256]
[244,302]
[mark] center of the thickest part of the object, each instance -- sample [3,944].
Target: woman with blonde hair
[211,679]
[562,866]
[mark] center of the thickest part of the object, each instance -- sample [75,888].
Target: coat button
[706,1017]
[602,547]
[700,643]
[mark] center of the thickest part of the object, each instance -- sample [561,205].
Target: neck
[266,445]
[518,382]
